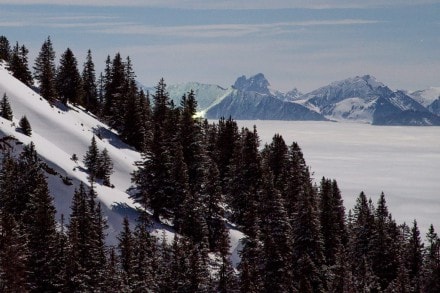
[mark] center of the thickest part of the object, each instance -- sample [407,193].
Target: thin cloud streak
[226,30]
[229,4]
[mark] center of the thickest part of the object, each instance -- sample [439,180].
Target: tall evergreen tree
[19,64]
[414,258]
[90,89]
[431,282]
[126,252]
[41,229]
[45,72]
[25,126]
[5,49]
[13,256]
[68,79]
[91,159]
[5,108]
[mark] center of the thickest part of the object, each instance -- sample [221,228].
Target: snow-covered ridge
[58,133]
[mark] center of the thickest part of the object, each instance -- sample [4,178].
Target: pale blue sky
[303,44]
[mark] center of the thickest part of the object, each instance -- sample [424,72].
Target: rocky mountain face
[357,99]
[365,99]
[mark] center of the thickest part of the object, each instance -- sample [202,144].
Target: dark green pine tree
[86,255]
[114,103]
[277,156]
[251,264]
[90,89]
[275,234]
[68,79]
[153,177]
[25,126]
[332,219]
[126,253]
[413,255]
[245,177]
[308,249]
[45,72]
[91,159]
[113,280]
[19,64]
[133,129]
[5,108]
[298,179]
[5,49]
[385,245]
[40,225]
[144,257]
[227,143]
[431,282]
[13,255]
[361,229]
[105,167]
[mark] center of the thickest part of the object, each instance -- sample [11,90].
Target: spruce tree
[5,108]
[45,72]
[414,258]
[431,282]
[41,229]
[25,126]
[13,256]
[105,167]
[68,79]
[91,159]
[19,65]
[5,49]
[126,252]
[90,89]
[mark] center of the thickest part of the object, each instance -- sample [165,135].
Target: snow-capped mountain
[430,98]
[364,99]
[357,99]
[248,98]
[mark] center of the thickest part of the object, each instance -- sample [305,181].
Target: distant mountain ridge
[357,99]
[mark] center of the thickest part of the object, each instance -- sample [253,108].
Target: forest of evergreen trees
[202,178]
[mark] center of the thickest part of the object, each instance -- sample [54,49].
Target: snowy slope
[427,96]
[58,133]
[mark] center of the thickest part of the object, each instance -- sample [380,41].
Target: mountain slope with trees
[200,184]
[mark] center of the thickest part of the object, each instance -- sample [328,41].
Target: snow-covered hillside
[58,133]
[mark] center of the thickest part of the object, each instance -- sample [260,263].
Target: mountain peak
[257,83]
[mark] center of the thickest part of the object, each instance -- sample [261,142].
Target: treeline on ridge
[203,179]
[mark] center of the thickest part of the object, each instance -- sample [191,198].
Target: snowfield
[58,133]
[403,162]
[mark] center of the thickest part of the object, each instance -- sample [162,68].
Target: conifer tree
[90,89]
[245,178]
[19,64]
[126,252]
[412,255]
[153,177]
[40,226]
[5,108]
[68,79]
[25,126]
[431,282]
[13,255]
[384,250]
[308,248]
[276,236]
[105,167]
[91,159]
[45,72]
[5,49]
[332,218]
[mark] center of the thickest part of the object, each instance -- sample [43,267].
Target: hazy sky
[304,44]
